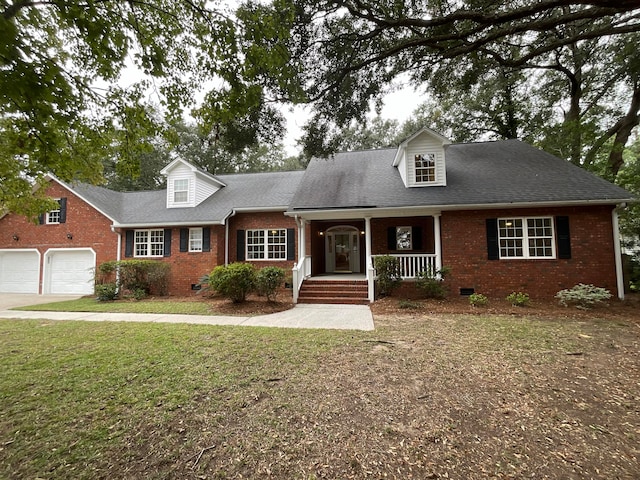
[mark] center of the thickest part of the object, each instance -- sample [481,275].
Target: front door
[342,251]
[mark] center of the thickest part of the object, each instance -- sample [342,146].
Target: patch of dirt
[629,309]
[254,305]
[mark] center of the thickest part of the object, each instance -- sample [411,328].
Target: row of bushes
[430,283]
[237,280]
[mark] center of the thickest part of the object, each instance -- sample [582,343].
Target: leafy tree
[344,56]
[63,107]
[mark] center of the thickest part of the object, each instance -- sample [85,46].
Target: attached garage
[69,271]
[19,271]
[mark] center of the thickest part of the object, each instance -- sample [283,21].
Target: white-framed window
[526,237]
[149,243]
[53,216]
[404,238]
[181,190]
[195,239]
[425,165]
[268,244]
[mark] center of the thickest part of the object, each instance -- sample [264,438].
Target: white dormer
[420,159]
[188,186]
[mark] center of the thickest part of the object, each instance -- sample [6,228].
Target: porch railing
[301,270]
[411,264]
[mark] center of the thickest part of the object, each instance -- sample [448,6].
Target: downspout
[618,253]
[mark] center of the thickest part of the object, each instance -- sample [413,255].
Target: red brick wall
[88,227]
[464,250]
[187,268]
[249,221]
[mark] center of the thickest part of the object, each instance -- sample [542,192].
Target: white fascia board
[416,210]
[167,224]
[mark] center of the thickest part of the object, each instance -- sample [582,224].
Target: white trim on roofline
[165,171]
[411,210]
[202,223]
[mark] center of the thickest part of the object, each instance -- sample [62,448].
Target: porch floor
[347,277]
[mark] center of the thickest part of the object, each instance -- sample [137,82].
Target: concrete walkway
[342,317]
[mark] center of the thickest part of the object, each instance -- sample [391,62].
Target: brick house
[503,216]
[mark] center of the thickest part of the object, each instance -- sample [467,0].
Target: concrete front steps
[351,292]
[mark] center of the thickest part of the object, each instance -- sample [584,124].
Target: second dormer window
[425,168]
[181,190]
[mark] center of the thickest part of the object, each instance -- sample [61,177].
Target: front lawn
[424,396]
[195,305]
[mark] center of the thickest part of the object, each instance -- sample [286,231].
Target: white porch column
[618,254]
[368,260]
[302,247]
[438,242]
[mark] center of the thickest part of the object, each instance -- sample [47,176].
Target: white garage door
[19,271]
[70,271]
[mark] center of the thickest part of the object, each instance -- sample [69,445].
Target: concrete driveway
[340,317]
[13,300]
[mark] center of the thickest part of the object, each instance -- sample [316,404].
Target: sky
[398,105]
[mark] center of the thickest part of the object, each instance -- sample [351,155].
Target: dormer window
[425,165]
[181,190]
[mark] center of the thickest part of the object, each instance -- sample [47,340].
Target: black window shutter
[416,233]
[240,245]
[493,252]
[63,210]
[167,242]
[206,239]
[184,239]
[391,238]
[41,218]
[564,237]
[291,244]
[128,243]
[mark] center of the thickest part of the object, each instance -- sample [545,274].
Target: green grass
[70,391]
[87,304]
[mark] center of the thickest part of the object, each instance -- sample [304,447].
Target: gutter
[309,213]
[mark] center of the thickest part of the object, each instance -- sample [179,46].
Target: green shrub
[135,277]
[408,304]
[478,300]
[518,299]
[233,281]
[583,296]
[431,282]
[268,281]
[152,276]
[106,292]
[387,274]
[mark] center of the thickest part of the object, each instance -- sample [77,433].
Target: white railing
[411,264]
[301,270]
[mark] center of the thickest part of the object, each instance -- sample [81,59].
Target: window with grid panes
[195,239]
[181,190]
[149,243]
[267,244]
[425,166]
[526,237]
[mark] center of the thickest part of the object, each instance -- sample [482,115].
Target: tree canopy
[65,106]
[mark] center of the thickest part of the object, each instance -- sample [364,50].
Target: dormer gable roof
[188,185]
[424,130]
[420,159]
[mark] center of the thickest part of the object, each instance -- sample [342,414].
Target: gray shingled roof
[251,191]
[502,172]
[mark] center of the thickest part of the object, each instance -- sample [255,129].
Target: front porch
[336,256]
